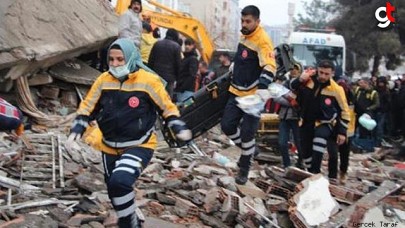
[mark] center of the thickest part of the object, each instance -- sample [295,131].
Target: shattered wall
[49,31]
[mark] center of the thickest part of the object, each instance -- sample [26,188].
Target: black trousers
[121,172]
[344,153]
[314,141]
[241,129]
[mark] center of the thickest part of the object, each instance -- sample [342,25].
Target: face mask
[120,71]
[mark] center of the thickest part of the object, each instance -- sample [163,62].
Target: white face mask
[119,71]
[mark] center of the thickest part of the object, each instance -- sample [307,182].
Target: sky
[274,12]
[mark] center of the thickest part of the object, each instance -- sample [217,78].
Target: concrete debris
[26,27]
[44,185]
[314,203]
[170,194]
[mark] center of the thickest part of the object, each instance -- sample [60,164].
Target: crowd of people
[328,113]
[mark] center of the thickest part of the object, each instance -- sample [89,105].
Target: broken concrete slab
[59,214]
[42,78]
[314,202]
[75,26]
[371,199]
[79,219]
[92,182]
[74,71]
[249,189]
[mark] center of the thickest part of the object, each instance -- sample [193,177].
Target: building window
[224,7]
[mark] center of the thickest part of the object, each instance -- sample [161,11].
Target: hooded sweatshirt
[147,43]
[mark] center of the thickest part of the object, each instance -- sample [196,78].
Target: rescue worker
[124,101]
[10,118]
[130,24]
[344,149]
[253,71]
[324,113]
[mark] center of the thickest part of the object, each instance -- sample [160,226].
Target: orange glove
[19,130]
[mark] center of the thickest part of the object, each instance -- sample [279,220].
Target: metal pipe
[53,163]
[193,146]
[61,171]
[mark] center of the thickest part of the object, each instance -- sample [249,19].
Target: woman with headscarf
[124,101]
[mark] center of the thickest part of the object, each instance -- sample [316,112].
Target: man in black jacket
[382,111]
[188,71]
[165,58]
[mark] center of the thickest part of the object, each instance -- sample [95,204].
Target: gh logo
[385,21]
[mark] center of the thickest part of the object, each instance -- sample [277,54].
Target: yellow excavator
[182,22]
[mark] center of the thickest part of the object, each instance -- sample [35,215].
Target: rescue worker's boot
[342,178]
[242,176]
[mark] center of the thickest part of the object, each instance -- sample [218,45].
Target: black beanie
[172,34]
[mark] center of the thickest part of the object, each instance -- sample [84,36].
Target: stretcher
[203,110]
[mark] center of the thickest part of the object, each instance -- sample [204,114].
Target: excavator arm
[172,19]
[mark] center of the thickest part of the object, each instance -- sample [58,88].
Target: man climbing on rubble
[130,24]
[125,101]
[254,68]
[10,118]
[324,112]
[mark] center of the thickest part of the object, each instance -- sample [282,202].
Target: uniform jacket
[125,112]
[366,101]
[323,103]
[253,56]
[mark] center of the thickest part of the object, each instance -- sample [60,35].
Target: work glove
[180,130]
[72,138]
[231,68]
[19,130]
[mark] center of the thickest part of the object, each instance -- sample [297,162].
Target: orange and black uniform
[324,113]
[125,111]
[344,149]
[254,67]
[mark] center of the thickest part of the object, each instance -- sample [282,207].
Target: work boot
[242,177]
[257,152]
[342,178]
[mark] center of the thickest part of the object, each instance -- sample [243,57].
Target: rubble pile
[42,184]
